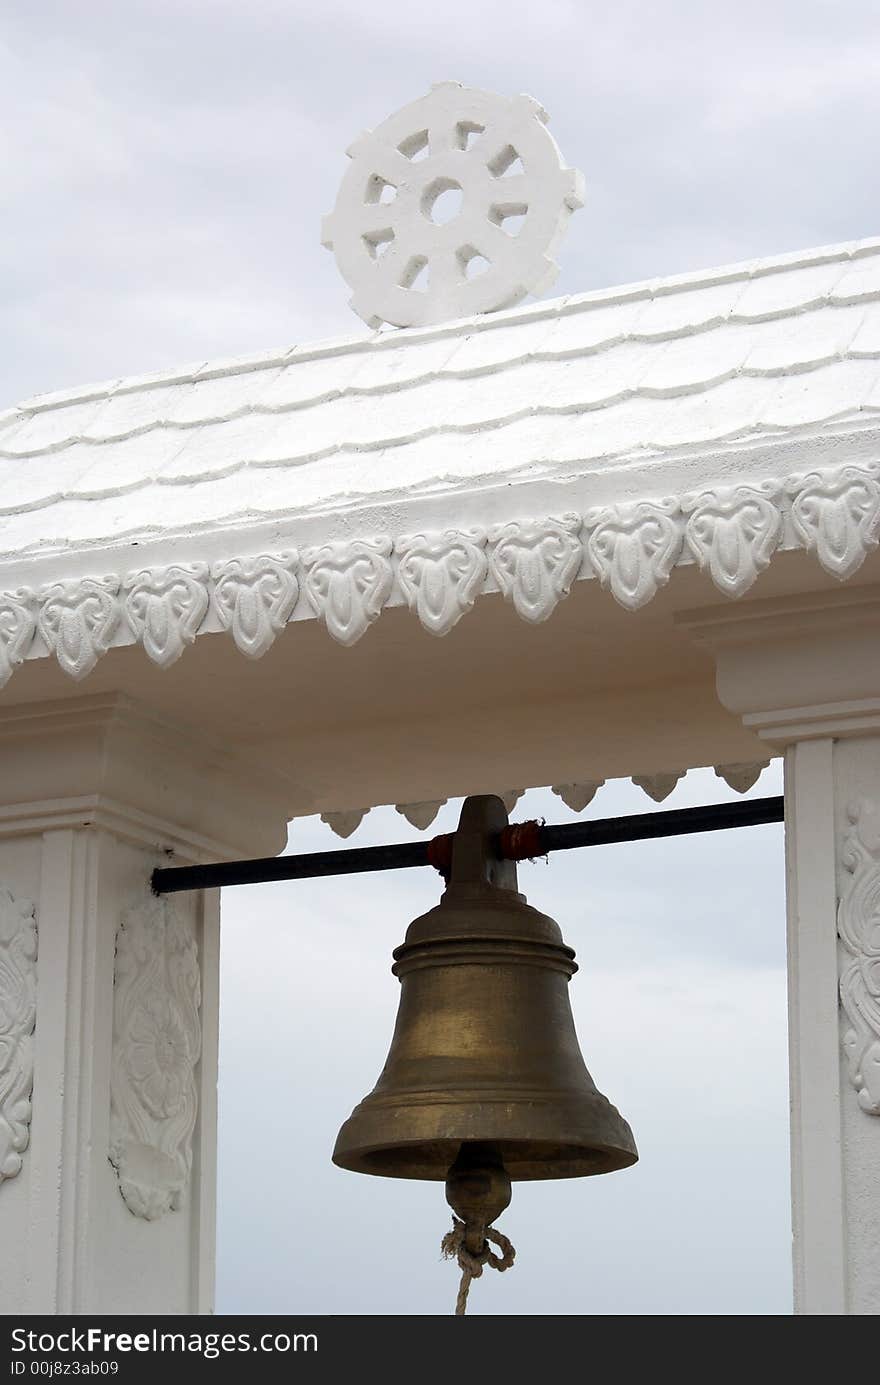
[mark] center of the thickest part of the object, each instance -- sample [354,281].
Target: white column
[804,673]
[109,1004]
[818,1212]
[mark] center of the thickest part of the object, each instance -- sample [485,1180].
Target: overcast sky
[167,162]
[165,169]
[680,1009]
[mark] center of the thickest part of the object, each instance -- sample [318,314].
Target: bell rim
[584,1133]
[582,1161]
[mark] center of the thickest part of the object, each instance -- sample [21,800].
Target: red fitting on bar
[521,841]
[440,853]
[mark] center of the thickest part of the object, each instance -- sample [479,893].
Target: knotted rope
[453,1247]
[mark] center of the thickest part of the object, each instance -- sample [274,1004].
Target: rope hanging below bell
[453,1247]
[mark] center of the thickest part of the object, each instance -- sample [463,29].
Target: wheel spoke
[390,165]
[446,268]
[442,138]
[514,191]
[493,243]
[376,216]
[393,263]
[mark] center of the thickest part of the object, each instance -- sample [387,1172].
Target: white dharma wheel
[453,206]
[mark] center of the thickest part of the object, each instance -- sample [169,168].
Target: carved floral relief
[858,929]
[18,1013]
[156,1047]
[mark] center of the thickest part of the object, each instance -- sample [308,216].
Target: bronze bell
[484,1071]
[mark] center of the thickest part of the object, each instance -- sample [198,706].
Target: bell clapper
[478,1191]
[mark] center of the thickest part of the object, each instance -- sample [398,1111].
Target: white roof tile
[733,409]
[787,290]
[488,349]
[109,470]
[592,328]
[132,411]
[805,341]
[221,397]
[401,364]
[211,450]
[12,425]
[866,341]
[816,397]
[310,381]
[674,314]
[676,366]
[42,432]
[762,348]
[862,281]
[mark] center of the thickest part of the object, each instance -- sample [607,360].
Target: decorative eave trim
[732,532]
[740,777]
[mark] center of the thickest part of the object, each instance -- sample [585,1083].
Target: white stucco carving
[733,532]
[741,777]
[535,562]
[17,626]
[345,823]
[18,1012]
[441,574]
[348,584]
[836,514]
[165,607]
[420,815]
[658,786]
[254,597]
[577,796]
[634,548]
[156,1046]
[409,264]
[858,928]
[77,621]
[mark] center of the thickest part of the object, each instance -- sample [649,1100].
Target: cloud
[184,153]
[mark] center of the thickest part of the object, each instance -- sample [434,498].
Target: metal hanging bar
[540,840]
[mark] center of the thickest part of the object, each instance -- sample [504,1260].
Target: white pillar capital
[106,760]
[797,668]
[800,667]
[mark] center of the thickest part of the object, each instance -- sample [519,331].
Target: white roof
[578,386]
[716,418]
